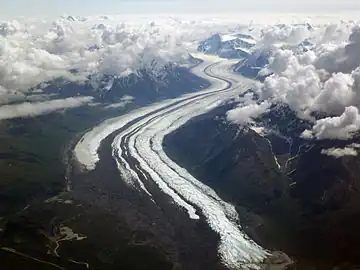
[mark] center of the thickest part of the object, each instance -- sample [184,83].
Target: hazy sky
[35,8]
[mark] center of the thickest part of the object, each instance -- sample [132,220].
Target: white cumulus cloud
[341,127]
[339,152]
[323,80]
[244,114]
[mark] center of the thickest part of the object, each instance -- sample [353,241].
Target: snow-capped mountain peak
[228,45]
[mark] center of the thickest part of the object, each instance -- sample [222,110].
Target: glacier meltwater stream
[139,136]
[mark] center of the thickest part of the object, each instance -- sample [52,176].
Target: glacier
[140,135]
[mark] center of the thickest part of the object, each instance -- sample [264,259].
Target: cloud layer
[125,100]
[37,51]
[322,78]
[28,109]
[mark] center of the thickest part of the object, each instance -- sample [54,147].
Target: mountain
[144,85]
[252,58]
[228,46]
[238,46]
[253,64]
[289,195]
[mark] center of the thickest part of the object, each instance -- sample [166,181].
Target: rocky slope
[289,195]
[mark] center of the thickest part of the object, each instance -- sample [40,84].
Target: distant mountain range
[252,56]
[144,86]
